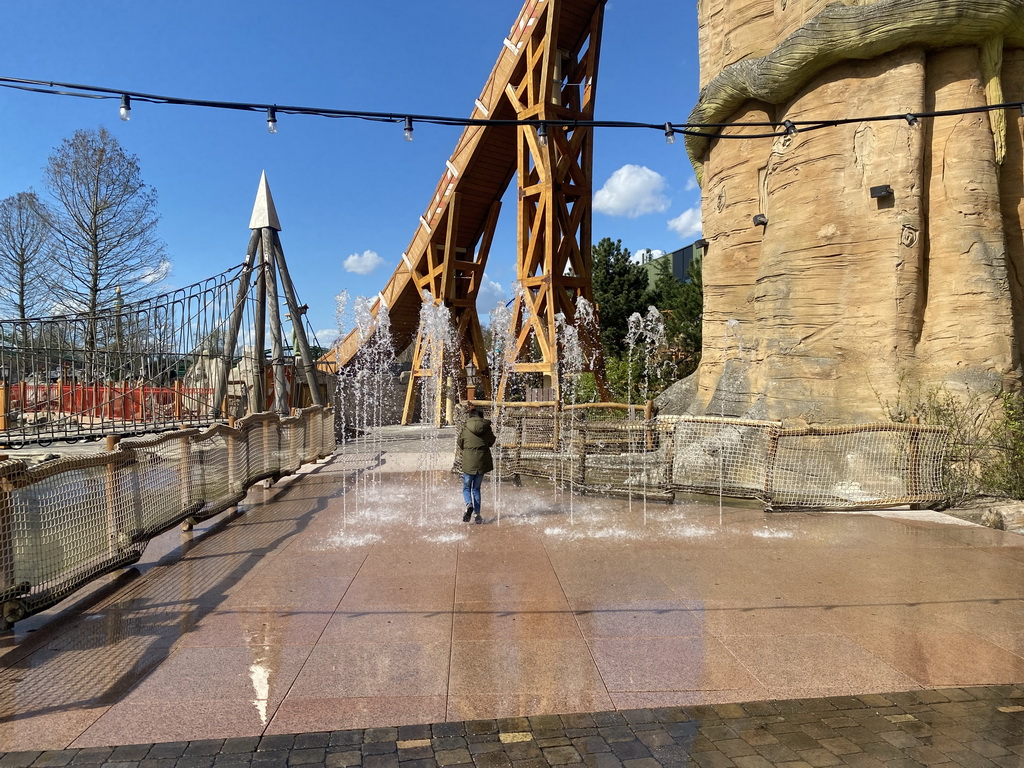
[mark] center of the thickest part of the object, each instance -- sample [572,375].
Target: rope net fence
[136,368]
[68,521]
[619,449]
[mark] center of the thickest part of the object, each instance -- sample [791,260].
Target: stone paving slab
[979,727]
[342,600]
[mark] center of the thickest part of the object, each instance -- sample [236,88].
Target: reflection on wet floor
[352,595]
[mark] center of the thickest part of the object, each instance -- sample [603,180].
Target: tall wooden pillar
[555,173]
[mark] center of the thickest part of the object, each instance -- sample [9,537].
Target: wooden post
[7,565]
[113,529]
[257,397]
[914,458]
[670,458]
[274,317]
[234,326]
[301,340]
[267,452]
[185,480]
[648,415]
[232,445]
[5,404]
[177,400]
[774,435]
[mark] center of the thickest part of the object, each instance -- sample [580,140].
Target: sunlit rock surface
[841,301]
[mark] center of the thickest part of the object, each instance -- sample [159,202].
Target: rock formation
[824,313]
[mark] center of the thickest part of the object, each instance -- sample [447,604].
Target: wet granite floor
[343,609]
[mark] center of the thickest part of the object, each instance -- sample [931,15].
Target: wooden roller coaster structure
[546,71]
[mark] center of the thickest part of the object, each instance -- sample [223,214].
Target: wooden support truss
[555,195]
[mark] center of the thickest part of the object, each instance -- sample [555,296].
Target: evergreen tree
[620,289]
[682,306]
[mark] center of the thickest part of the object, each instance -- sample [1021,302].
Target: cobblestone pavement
[976,727]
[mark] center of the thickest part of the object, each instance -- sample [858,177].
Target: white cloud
[326,336]
[641,256]
[691,184]
[491,294]
[632,191]
[687,224]
[363,264]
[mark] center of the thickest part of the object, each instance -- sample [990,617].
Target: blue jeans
[471,490]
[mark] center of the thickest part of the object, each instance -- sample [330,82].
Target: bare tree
[103,220]
[24,242]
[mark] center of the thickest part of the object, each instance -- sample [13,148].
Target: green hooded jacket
[475,441]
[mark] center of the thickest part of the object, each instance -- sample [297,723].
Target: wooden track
[448,252]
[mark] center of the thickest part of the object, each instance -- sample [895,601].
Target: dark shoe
[478,519]
[469,513]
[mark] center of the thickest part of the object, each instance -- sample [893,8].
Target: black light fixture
[791,129]
[126,107]
[472,380]
[408,129]
[542,134]
[911,119]
[701,244]
[271,120]
[670,134]
[760,220]
[881,192]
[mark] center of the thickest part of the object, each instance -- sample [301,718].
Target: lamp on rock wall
[701,244]
[760,220]
[881,191]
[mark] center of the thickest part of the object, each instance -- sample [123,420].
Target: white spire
[263,212]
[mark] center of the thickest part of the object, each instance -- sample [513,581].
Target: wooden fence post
[5,404]
[185,478]
[111,487]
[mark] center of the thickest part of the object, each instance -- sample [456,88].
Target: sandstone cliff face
[842,299]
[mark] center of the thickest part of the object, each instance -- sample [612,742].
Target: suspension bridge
[190,357]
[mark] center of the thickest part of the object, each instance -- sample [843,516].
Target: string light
[670,129]
[542,135]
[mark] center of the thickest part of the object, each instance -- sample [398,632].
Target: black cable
[703,130]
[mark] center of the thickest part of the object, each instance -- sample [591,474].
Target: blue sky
[349,193]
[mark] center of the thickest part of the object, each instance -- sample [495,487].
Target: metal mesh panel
[717,455]
[863,466]
[617,450]
[263,438]
[65,522]
[211,469]
[290,448]
[165,479]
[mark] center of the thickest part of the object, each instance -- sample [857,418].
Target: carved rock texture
[841,300]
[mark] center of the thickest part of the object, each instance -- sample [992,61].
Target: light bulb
[271,120]
[670,135]
[542,135]
[126,107]
[408,129]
